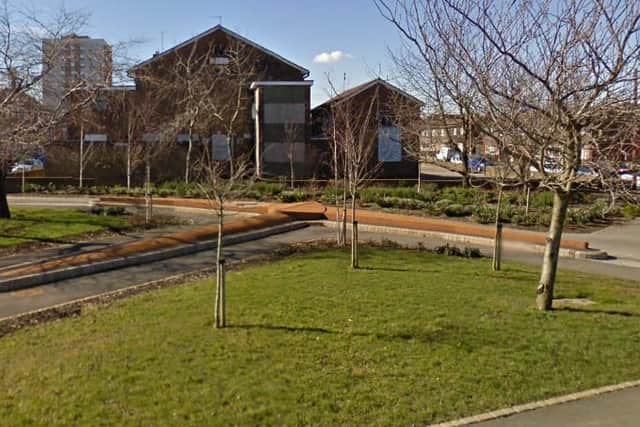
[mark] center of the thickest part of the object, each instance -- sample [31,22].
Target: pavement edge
[527,407]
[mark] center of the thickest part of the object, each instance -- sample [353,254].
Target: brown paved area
[148,245]
[309,209]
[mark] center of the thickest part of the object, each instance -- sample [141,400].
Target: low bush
[291,196]
[457,210]
[542,199]
[115,211]
[484,214]
[448,250]
[401,203]
[631,210]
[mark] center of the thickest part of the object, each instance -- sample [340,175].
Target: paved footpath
[617,409]
[621,241]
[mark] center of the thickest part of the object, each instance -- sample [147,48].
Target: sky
[343,36]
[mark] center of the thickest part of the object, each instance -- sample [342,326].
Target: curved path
[12,303]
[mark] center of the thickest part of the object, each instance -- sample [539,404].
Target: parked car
[479,164]
[633,178]
[550,167]
[588,171]
[446,154]
[27,165]
[456,158]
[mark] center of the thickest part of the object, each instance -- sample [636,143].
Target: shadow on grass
[284,328]
[597,311]
[397,270]
[423,337]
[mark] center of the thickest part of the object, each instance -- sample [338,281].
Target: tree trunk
[466,178]
[544,292]
[419,178]
[220,303]
[81,172]
[147,193]
[5,212]
[339,235]
[497,242]
[128,162]
[354,232]
[187,166]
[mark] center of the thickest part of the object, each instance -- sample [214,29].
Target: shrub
[485,214]
[544,216]
[631,210]
[329,194]
[268,189]
[33,188]
[292,196]
[118,190]
[448,250]
[96,210]
[400,203]
[114,211]
[543,199]
[472,253]
[457,210]
[460,195]
[521,218]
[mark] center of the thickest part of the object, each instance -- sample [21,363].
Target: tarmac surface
[617,409]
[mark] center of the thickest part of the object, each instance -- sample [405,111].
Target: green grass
[48,225]
[416,338]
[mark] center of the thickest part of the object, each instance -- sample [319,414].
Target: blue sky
[297,30]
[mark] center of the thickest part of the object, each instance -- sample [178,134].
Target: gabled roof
[349,93]
[229,33]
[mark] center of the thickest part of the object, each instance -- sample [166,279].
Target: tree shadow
[597,311]
[397,270]
[284,328]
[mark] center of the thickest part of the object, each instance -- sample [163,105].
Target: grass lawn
[414,338]
[48,225]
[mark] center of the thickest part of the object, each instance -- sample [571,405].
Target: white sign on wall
[389,147]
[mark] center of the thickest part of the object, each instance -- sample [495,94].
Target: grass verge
[412,338]
[29,225]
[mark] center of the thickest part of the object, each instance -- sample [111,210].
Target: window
[389,146]
[219,147]
[443,132]
[455,131]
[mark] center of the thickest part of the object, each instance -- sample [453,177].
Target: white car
[631,177]
[549,167]
[27,166]
[456,158]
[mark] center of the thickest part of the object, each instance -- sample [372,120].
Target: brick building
[390,155]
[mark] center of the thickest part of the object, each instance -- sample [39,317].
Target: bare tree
[290,139]
[356,121]
[194,85]
[23,66]
[155,135]
[426,67]
[563,65]
[225,160]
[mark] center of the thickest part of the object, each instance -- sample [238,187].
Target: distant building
[72,60]
[390,156]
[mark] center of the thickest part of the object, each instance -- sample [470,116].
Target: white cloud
[331,57]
